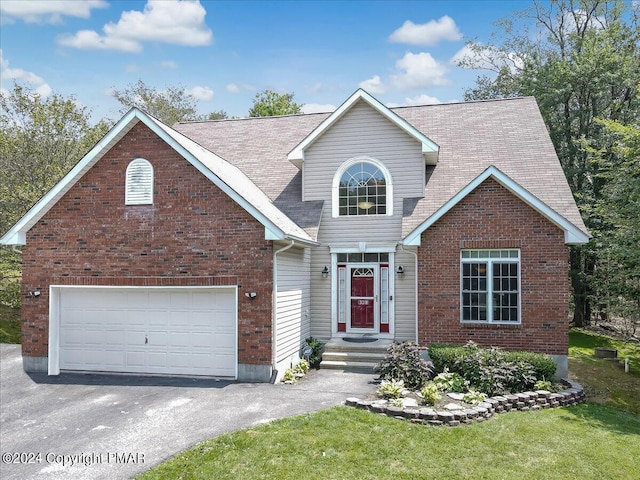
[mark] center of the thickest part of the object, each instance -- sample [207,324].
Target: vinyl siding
[320,294]
[362,131]
[292,305]
[405,298]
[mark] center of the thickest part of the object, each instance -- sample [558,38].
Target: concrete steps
[341,354]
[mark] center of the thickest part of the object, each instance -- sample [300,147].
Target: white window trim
[335,187]
[145,201]
[490,261]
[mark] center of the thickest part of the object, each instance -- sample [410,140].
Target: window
[490,281]
[139,183]
[362,186]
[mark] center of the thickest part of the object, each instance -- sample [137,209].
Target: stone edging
[484,410]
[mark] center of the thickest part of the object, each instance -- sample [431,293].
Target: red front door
[362,298]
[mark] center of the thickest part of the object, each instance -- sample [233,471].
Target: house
[215,248]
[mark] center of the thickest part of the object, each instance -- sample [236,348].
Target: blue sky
[226,52]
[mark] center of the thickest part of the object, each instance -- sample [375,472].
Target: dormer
[428,147]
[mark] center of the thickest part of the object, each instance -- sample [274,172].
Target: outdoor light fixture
[400,270]
[325,272]
[251,295]
[365,205]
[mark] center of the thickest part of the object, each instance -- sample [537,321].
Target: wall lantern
[400,270]
[250,295]
[325,272]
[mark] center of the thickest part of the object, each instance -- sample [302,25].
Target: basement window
[139,183]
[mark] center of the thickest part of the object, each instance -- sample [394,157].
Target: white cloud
[203,94]
[318,108]
[168,64]
[236,88]
[178,22]
[430,33]
[373,85]
[20,75]
[421,70]
[47,11]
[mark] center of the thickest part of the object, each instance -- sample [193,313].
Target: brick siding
[193,234]
[492,217]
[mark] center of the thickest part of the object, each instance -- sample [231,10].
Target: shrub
[289,375]
[544,385]
[316,356]
[474,397]
[403,362]
[302,366]
[391,388]
[544,365]
[451,382]
[444,356]
[430,393]
[489,371]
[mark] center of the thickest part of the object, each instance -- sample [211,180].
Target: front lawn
[593,440]
[587,442]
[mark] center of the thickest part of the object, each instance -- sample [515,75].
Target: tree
[171,105]
[581,65]
[616,279]
[40,140]
[269,104]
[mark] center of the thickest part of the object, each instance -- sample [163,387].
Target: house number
[363,302]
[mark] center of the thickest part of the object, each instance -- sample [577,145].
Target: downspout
[415,269]
[16,249]
[274,310]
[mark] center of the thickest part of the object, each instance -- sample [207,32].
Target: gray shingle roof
[509,134]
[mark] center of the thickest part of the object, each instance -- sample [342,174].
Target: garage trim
[55,314]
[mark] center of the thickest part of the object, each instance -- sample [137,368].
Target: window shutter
[139,183]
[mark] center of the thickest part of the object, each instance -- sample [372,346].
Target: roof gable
[429,148]
[224,175]
[573,235]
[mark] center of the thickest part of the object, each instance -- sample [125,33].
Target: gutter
[274,310]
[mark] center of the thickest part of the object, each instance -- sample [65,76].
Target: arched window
[139,183]
[362,186]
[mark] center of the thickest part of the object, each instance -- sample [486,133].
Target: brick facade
[492,217]
[193,234]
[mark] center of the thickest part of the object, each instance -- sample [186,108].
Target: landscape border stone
[572,395]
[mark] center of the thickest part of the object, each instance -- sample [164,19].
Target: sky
[224,52]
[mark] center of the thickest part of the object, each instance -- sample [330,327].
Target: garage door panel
[163,330]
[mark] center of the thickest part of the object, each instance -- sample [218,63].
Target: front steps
[340,354]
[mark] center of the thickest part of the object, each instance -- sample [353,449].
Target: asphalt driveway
[77,426]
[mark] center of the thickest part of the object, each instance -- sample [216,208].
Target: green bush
[316,356]
[391,388]
[493,370]
[444,357]
[451,382]
[403,362]
[430,393]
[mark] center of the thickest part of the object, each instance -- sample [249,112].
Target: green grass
[587,442]
[9,325]
[605,381]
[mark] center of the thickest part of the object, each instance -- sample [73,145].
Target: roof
[251,160]
[509,135]
[225,175]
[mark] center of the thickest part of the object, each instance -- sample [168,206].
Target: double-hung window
[490,286]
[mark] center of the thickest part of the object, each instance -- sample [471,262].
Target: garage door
[173,331]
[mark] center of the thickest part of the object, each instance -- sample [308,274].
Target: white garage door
[173,331]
